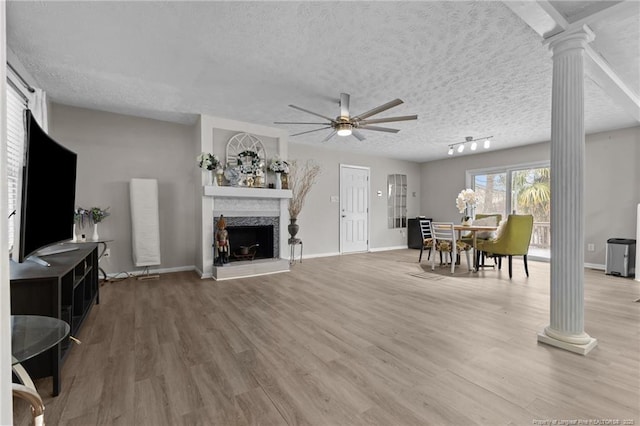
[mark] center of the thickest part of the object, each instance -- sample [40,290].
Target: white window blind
[16,104]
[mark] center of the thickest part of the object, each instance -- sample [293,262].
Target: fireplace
[252,237]
[250,242]
[246,207]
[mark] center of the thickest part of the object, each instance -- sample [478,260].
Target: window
[397,201]
[491,191]
[520,189]
[16,104]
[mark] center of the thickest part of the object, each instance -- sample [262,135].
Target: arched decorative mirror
[245,160]
[243,142]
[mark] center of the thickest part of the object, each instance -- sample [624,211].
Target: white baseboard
[311,256]
[156,271]
[595,266]
[373,250]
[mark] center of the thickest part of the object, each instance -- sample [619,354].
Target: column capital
[576,38]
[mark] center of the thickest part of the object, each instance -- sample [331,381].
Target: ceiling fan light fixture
[450,150]
[343,129]
[487,143]
[461,147]
[474,145]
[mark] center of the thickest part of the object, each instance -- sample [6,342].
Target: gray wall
[114,148]
[612,188]
[320,218]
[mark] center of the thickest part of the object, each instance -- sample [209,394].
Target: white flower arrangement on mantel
[207,161]
[278,165]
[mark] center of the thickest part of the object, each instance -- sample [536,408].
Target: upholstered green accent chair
[445,241]
[512,240]
[427,238]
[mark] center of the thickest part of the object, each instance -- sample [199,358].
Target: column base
[581,349]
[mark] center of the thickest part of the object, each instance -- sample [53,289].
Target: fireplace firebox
[255,237]
[250,242]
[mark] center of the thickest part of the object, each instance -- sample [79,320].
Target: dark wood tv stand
[65,290]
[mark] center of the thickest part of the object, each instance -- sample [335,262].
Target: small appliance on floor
[620,257]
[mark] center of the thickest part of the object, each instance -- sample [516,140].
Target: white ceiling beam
[535,15]
[601,73]
[544,19]
[618,9]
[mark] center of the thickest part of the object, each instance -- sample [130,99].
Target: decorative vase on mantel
[211,178]
[293,227]
[284,177]
[95,236]
[219,179]
[278,180]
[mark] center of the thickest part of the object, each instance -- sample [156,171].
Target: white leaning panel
[145,222]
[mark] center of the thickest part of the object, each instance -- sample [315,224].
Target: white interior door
[354,209]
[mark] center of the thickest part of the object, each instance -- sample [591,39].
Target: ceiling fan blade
[299,122]
[358,135]
[311,112]
[332,134]
[387,120]
[379,109]
[379,129]
[311,131]
[344,105]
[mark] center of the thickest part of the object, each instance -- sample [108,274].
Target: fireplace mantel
[240,192]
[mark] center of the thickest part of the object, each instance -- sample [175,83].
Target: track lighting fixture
[473,144]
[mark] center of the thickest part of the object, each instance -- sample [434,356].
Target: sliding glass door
[523,189]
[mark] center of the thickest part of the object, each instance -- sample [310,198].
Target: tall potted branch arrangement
[301,179]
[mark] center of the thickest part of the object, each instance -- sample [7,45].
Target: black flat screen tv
[48,191]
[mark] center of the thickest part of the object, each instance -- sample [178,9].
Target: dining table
[474,229]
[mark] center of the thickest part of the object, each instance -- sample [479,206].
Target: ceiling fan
[345,124]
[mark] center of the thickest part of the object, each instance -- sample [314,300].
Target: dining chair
[445,241]
[488,219]
[512,240]
[427,238]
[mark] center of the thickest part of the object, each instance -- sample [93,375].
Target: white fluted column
[566,329]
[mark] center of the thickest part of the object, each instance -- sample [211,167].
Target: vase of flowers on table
[466,204]
[80,215]
[281,168]
[97,215]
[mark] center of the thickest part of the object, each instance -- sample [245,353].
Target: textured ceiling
[466,68]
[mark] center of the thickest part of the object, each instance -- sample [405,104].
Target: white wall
[612,189]
[320,218]
[112,149]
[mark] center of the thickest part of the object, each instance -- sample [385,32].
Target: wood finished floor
[366,339]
